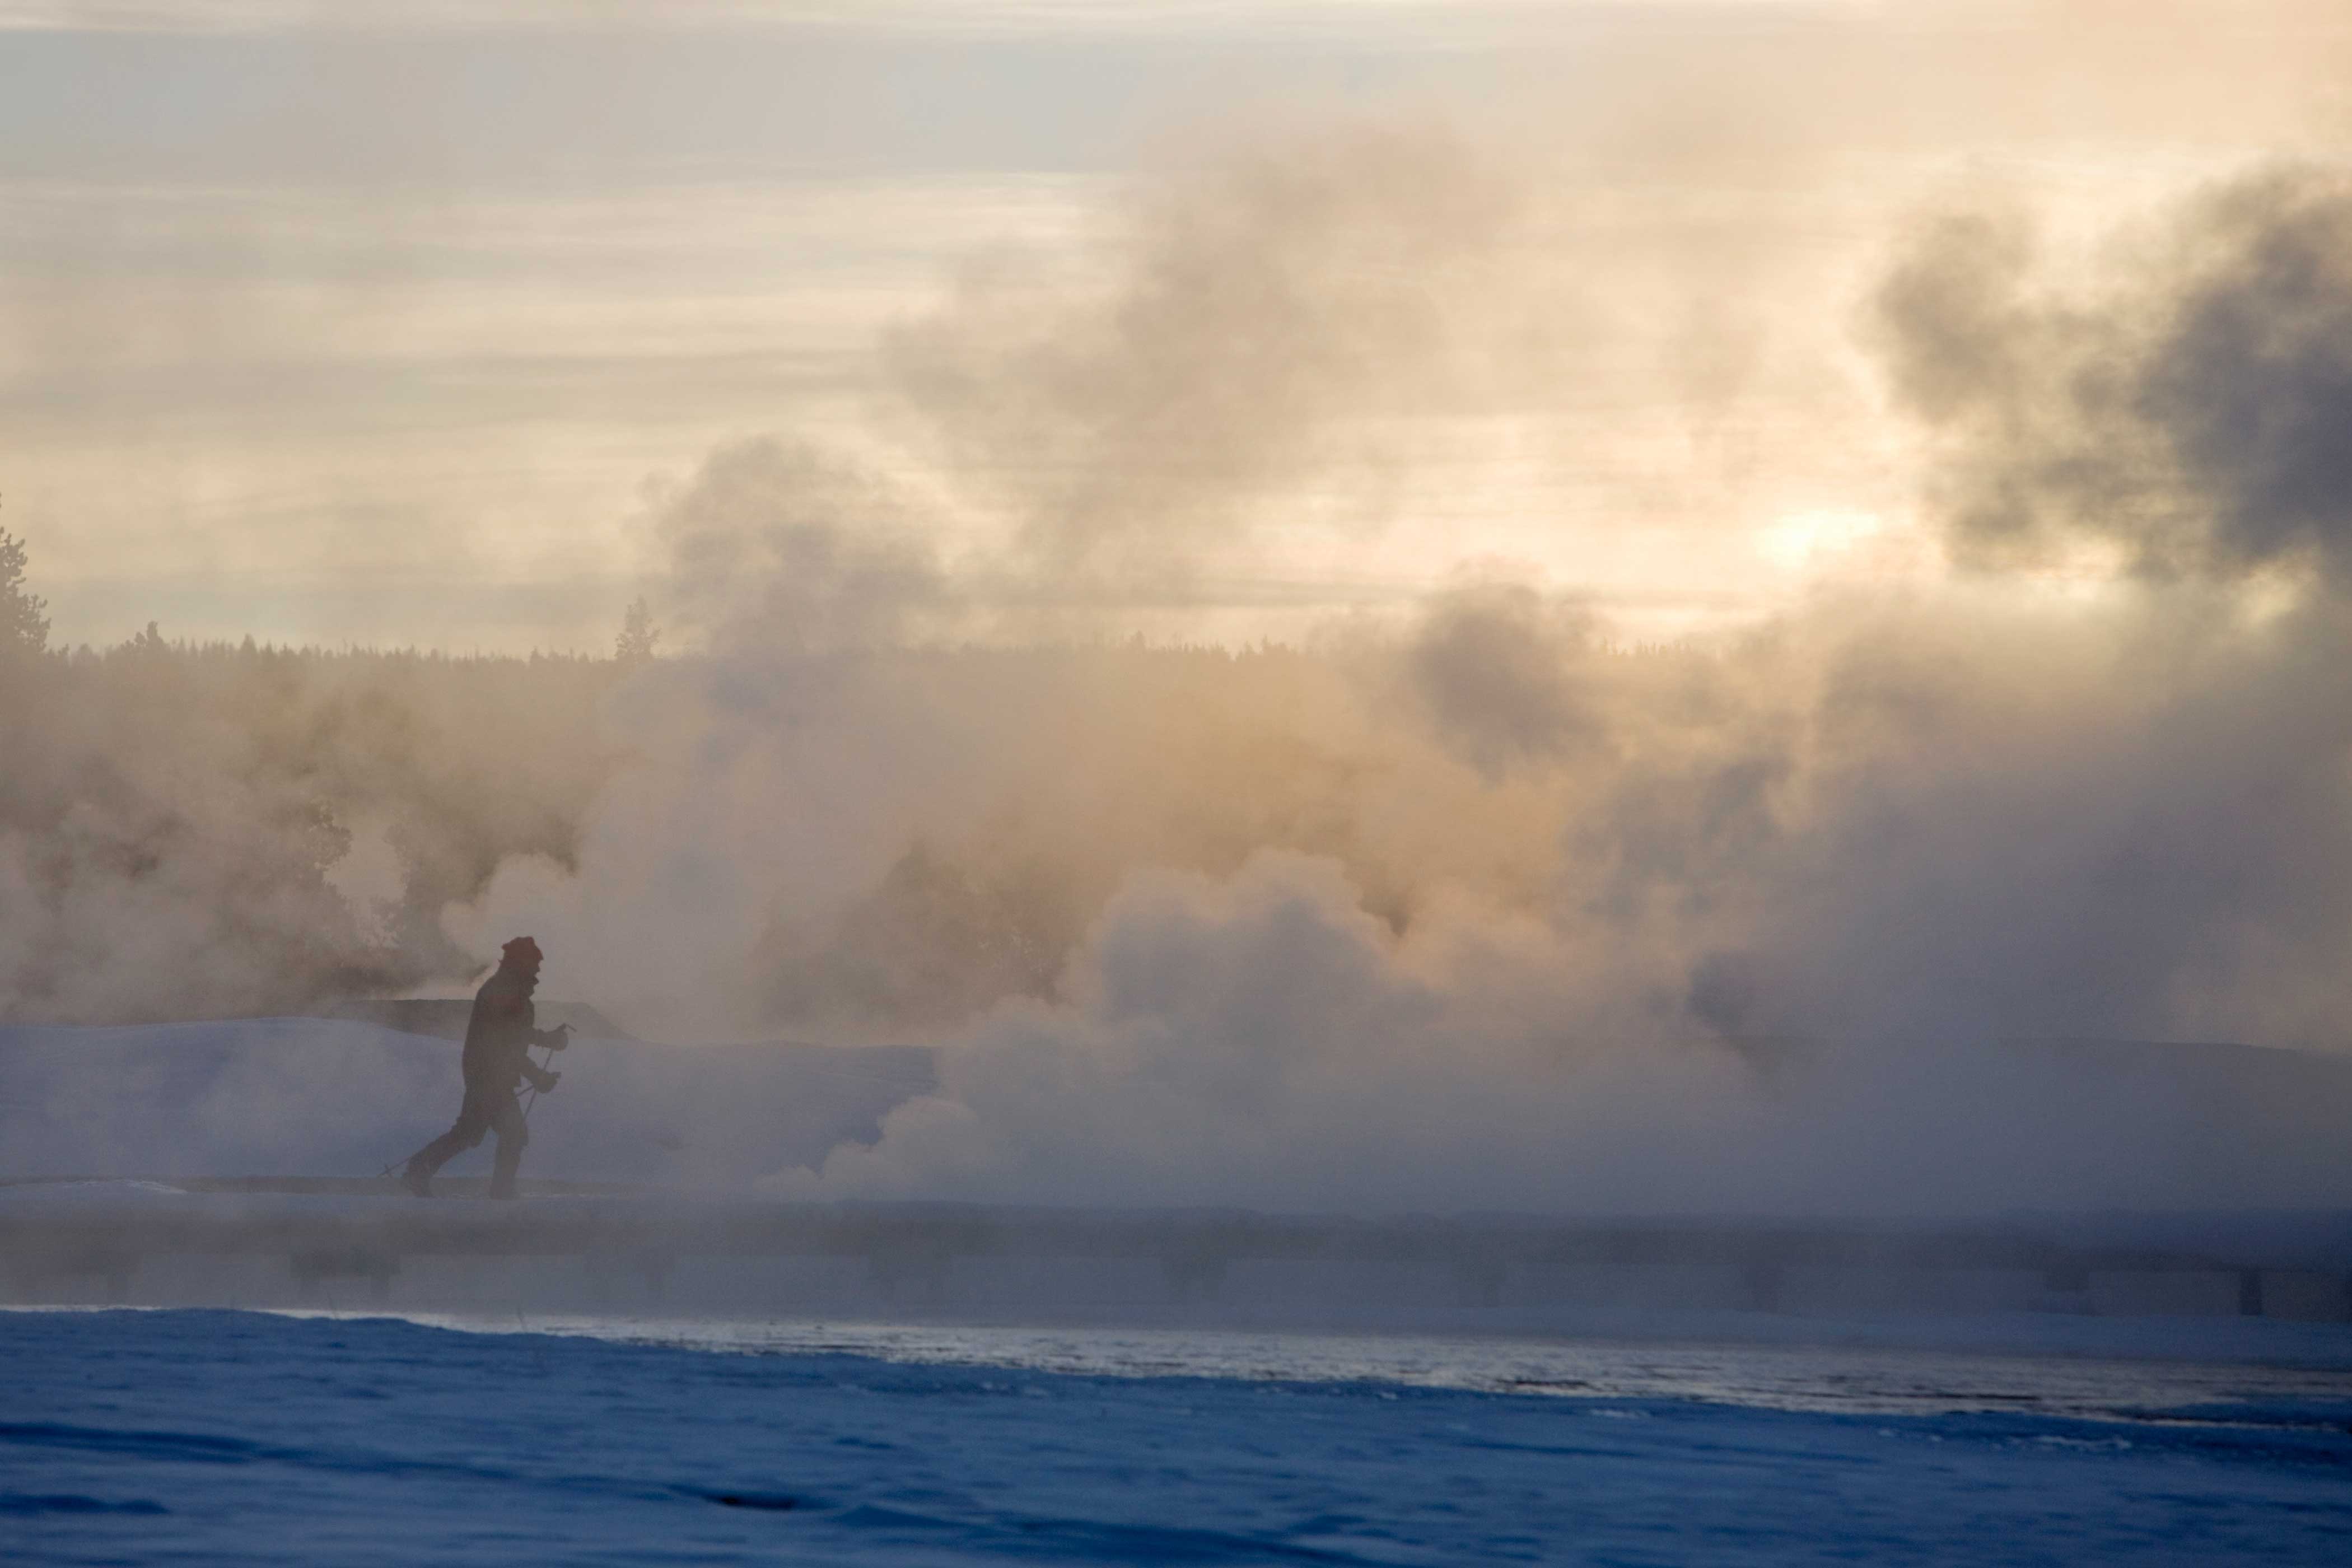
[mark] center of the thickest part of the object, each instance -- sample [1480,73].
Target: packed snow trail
[143,1436]
[319,1098]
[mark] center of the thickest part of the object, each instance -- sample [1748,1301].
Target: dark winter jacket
[500,1033]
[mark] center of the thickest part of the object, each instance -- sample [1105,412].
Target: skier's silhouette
[499,1038]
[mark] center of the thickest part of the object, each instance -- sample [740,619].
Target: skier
[499,1038]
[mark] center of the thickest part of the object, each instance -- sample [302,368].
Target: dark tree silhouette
[638,634]
[23,627]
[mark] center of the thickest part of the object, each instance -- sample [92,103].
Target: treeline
[235,830]
[175,817]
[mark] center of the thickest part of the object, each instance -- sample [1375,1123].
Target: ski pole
[403,1160]
[533,1100]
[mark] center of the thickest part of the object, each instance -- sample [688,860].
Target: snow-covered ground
[690,1370]
[2252,1286]
[158,1436]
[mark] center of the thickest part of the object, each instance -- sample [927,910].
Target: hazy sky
[392,323]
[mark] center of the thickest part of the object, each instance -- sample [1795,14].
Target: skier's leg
[473,1122]
[506,1118]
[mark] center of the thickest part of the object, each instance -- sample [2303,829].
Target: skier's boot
[416,1181]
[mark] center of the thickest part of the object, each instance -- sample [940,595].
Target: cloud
[784,548]
[1497,668]
[2186,410]
[1252,314]
[1264,1041]
[983,17]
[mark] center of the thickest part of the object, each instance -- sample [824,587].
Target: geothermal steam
[1493,909]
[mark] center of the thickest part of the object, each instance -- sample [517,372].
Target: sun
[1806,541]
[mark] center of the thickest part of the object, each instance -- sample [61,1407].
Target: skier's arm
[554,1040]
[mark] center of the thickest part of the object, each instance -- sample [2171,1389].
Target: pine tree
[23,627]
[638,634]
